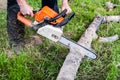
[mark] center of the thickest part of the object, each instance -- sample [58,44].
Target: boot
[17,48]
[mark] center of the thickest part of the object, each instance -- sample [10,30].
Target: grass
[43,62]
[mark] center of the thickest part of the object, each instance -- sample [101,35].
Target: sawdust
[3,5]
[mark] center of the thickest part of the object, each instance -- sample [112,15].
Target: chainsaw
[50,24]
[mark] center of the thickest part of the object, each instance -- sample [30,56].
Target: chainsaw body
[48,13]
[47,22]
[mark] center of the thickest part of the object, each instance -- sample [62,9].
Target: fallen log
[73,59]
[108,39]
[110,5]
[108,19]
[111,18]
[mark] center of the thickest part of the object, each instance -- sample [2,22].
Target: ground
[43,62]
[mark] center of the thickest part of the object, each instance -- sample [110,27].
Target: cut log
[74,58]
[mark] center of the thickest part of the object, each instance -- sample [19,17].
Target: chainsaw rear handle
[25,20]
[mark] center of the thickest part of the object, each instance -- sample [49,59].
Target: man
[15,28]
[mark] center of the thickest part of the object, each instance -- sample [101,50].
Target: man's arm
[25,9]
[65,5]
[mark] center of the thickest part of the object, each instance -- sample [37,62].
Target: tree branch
[111,18]
[74,58]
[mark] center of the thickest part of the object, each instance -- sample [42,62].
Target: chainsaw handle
[24,20]
[66,20]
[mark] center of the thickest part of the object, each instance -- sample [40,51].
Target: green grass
[43,62]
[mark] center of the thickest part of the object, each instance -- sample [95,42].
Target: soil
[34,40]
[3,5]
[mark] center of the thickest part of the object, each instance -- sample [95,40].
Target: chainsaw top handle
[66,20]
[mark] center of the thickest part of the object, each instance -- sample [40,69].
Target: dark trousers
[15,28]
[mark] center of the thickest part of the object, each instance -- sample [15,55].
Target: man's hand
[65,5]
[25,9]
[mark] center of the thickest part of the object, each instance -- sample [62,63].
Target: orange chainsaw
[49,24]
